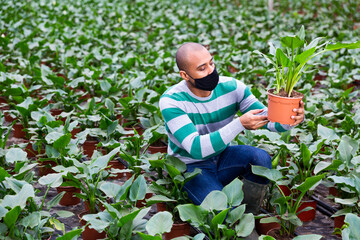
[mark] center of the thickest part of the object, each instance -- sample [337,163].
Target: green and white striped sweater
[202,127]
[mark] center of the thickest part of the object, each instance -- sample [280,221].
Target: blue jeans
[220,170]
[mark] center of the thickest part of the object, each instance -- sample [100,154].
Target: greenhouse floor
[322,224]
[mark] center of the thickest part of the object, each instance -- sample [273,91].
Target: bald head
[183,53]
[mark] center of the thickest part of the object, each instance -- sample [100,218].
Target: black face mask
[207,83]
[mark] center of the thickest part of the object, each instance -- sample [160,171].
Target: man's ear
[184,75]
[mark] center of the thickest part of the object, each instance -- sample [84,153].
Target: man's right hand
[252,121]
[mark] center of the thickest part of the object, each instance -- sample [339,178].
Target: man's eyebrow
[205,63]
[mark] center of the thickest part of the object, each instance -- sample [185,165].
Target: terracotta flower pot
[139,129]
[161,207]
[157,149]
[74,132]
[18,131]
[69,199]
[285,189]
[90,233]
[307,215]
[116,164]
[265,228]
[89,146]
[280,109]
[142,203]
[31,153]
[339,221]
[45,167]
[87,208]
[178,230]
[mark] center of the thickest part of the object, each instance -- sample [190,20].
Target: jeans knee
[263,159]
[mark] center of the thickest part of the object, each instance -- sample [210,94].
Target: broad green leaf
[282,59]
[336,46]
[31,220]
[292,42]
[327,133]
[196,215]
[3,174]
[303,57]
[309,183]
[218,220]
[61,143]
[15,155]
[215,200]
[305,155]
[308,237]
[160,223]
[110,189]
[64,214]
[271,174]
[53,179]
[246,225]
[55,200]
[148,237]
[20,199]
[138,189]
[234,192]
[12,216]
[354,226]
[235,214]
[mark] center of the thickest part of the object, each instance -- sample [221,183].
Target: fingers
[300,114]
[256,111]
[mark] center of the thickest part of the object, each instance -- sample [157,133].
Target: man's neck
[196,91]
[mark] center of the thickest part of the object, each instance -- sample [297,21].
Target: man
[199,114]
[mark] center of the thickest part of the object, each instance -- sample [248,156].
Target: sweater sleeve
[180,126]
[250,102]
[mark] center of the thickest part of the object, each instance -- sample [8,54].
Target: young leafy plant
[291,61]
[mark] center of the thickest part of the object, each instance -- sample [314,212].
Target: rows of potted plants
[77,75]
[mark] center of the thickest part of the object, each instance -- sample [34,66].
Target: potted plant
[289,65]
[121,219]
[220,215]
[286,209]
[168,187]
[88,177]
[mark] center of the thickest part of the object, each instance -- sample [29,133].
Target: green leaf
[309,183]
[215,200]
[20,199]
[194,214]
[282,58]
[292,42]
[53,179]
[246,225]
[336,46]
[218,220]
[305,155]
[308,237]
[148,237]
[61,143]
[32,220]
[138,189]
[15,155]
[64,214]
[234,192]
[110,189]
[303,57]
[271,174]
[3,174]
[235,214]
[12,216]
[160,223]
[55,200]
[353,230]
[71,235]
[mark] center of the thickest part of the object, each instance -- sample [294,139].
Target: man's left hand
[300,114]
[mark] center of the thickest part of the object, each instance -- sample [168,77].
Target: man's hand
[300,114]
[251,121]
